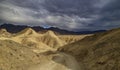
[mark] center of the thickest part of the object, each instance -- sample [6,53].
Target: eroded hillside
[14,56]
[40,42]
[4,33]
[29,50]
[97,52]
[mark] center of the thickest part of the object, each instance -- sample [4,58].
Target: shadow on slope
[100,51]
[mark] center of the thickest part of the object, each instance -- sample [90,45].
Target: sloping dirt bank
[58,61]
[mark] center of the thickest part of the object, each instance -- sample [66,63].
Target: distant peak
[28,31]
[3,30]
[50,32]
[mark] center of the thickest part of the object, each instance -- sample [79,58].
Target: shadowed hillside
[72,38]
[100,51]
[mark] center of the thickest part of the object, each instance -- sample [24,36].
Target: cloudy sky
[76,15]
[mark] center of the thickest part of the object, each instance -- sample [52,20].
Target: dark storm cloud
[66,14]
[111,12]
[110,15]
[71,7]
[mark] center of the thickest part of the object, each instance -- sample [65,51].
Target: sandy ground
[59,61]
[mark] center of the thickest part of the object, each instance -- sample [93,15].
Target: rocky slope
[4,33]
[27,49]
[97,52]
[72,38]
[41,42]
[32,39]
[14,56]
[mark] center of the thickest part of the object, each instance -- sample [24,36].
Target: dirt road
[59,61]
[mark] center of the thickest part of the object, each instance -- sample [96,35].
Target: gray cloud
[70,15]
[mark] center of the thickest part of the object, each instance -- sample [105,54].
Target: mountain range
[17,28]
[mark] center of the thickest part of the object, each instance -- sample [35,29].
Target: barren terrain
[29,50]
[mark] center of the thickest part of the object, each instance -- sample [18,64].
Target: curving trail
[59,61]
